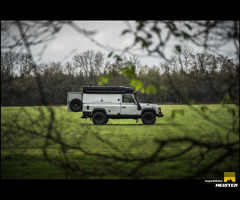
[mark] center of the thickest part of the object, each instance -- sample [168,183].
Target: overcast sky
[68,42]
[108,33]
[68,39]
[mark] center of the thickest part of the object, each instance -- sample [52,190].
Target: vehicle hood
[148,105]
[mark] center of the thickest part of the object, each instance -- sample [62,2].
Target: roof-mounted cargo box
[107,89]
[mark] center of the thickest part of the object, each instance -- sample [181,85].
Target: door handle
[124,107]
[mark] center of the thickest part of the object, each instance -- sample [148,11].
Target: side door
[128,105]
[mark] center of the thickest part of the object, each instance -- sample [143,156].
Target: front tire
[148,118]
[99,118]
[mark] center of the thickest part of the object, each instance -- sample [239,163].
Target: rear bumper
[86,115]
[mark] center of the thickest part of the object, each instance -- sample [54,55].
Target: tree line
[187,77]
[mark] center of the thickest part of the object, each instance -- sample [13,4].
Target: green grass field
[25,131]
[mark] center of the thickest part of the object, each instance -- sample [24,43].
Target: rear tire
[99,118]
[148,118]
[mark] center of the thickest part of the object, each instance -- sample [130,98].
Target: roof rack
[107,89]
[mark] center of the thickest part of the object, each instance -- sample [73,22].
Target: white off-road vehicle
[101,103]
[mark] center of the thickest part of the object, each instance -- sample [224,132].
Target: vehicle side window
[127,98]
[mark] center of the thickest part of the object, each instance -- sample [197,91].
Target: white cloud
[57,46]
[101,37]
[126,42]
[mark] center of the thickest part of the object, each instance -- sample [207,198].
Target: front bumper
[159,112]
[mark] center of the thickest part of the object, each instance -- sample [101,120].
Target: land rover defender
[101,103]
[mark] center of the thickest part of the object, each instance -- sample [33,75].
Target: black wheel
[75,105]
[99,118]
[148,118]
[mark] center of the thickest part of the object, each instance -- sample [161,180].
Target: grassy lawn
[24,131]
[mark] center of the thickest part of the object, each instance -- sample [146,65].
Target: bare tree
[89,62]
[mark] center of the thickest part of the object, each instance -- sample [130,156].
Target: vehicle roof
[107,89]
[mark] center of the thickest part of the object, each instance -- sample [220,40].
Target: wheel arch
[148,110]
[99,110]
